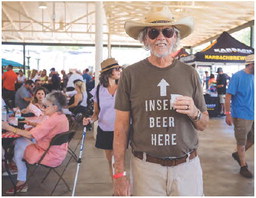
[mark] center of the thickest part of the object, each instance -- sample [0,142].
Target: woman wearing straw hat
[104,99]
[164,98]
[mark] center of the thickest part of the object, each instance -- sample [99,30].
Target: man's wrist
[118,175]
[197,117]
[227,113]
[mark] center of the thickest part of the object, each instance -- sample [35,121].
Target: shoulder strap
[97,95]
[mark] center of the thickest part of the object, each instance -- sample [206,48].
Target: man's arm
[121,184]
[227,107]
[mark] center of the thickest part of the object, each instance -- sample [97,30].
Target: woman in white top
[20,79]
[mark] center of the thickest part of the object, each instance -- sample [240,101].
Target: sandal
[21,188]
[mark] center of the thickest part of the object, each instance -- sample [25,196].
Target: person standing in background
[241,112]
[221,88]
[64,80]
[206,79]
[9,79]
[21,78]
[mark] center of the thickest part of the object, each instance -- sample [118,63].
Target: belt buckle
[168,162]
[187,159]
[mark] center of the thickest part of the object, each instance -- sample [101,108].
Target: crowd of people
[156,105]
[18,89]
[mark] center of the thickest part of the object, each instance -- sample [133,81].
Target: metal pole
[252,37]
[79,160]
[24,59]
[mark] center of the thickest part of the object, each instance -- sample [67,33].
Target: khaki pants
[150,179]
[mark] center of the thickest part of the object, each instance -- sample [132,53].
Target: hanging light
[42,5]
[178,10]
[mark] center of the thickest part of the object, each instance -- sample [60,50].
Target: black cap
[219,70]
[52,69]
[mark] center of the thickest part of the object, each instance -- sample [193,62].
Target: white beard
[169,51]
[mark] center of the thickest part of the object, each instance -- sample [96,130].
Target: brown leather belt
[165,162]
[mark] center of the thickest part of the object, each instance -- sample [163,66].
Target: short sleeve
[198,96]
[232,87]
[123,102]
[93,92]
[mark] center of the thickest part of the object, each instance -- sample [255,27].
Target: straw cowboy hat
[249,59]
[160,18]
[108,64]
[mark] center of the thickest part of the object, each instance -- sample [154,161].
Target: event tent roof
[225,49]
[10,62]
[74,21]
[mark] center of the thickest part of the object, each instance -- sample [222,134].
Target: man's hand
[229,120]
[121,187]
[185,105]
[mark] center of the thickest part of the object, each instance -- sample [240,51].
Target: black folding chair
[59,139]
[75,120]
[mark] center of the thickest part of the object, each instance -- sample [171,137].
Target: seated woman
[33,143]
[78,102]
[36,106]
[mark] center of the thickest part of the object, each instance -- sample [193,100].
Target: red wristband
[227,113]
[118,175]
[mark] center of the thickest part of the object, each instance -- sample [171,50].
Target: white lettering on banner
[163,139]
[231,50]
[161,122]
[163,84]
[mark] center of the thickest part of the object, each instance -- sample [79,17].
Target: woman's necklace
[112,89]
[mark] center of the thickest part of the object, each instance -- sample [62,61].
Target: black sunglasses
[118,68]
[167,32]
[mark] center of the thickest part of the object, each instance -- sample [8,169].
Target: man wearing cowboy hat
[163,96]
[241,93]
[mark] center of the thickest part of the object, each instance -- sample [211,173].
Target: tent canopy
[10,62]
[225,49]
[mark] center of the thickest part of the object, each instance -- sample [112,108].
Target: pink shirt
[43,133]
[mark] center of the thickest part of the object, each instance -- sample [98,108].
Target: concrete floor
[220,171]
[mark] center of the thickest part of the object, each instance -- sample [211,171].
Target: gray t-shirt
[145,90]
[22,93]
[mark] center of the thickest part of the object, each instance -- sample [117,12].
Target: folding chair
[75,120]
[59,139]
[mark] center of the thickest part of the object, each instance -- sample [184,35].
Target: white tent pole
[98,45]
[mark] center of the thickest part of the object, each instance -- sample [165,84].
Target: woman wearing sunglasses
[164,139]
[32,144]
[104,99]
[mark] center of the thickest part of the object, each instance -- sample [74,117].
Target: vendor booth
[225,52]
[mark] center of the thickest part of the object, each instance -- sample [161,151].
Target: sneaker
[13,172]
[19,189]
[245,172]
[236,157]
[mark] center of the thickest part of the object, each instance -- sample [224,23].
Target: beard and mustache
[164,44]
